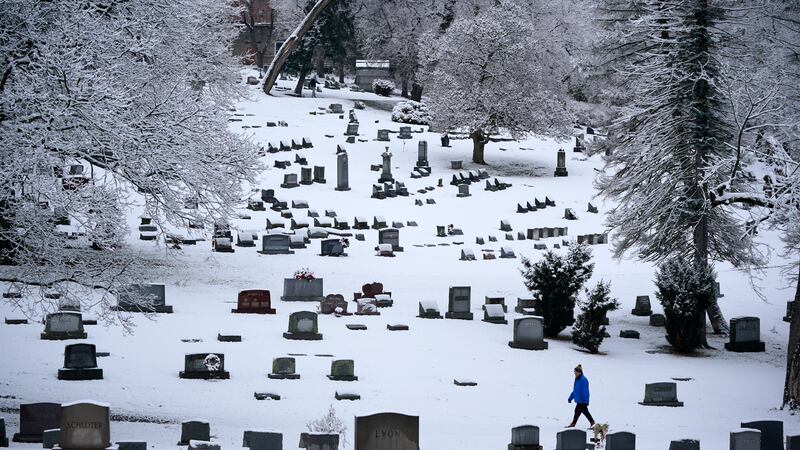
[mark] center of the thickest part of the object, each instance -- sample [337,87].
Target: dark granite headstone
[34,418]
[387,431]
[84,426]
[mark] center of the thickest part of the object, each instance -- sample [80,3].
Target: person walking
[312,84]
[580,393]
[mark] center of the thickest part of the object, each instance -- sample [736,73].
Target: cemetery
[452,236]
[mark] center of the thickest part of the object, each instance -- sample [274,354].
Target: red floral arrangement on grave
[304,274]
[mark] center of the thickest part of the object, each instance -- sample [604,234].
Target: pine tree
[672,143]
[589,330]
[555,281]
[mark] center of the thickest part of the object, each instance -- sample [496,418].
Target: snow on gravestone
[387,431]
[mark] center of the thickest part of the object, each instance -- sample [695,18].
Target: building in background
[256,40]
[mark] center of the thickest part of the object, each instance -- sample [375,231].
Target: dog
[600,430]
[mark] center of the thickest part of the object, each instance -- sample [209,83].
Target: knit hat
[579,368]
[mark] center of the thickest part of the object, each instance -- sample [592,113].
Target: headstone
[80,363]
[306,176]
[319,441]
[445,140]
[143,298]
[793,442]
[529,334]
[84,426]
[771,432]
[336,108]
[3,435]
[203,445]
[525,437]
[332,247]
[463,191]
[621,440]
[63,325]
[383,135]
[343,370]
[303,326]
[569,214]
[661,394]
[352,129]
[507,252]
[254,301]
[276,244]
[571,439]
[494,314]
[657,320]
[319,174]
[459,303]
[457,165]
[422,155]
[342,172]
[390,236]
[685,444]
[204,366]
[592,209]
[290,181]
[302,290]
[34,419]
[561,164]
[745,335]
[467,254]
[194,430]
[629,334]
[505,225]
[283,368]
[386,173]
[262,440]
[50,438]
[405,133]
[642,307]
[131,445]
[429,310]
[387,431]
[744,439]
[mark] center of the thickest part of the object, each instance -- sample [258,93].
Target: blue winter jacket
[580,390]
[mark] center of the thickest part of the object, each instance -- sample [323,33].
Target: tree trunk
[791,388]
[320,59]
[404,88]
[341,72]
[290,44]
[416,92]
[300,82]
[478,146]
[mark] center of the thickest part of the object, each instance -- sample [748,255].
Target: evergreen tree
[555,282]
[685,289]
[589,330]
[672,143]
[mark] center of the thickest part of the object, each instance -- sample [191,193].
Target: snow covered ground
[411,371]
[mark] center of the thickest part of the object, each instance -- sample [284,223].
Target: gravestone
[143,298]
[429,310]
[336,108]
[342,172]
[387,431]
[405,133]
[319,441]
[333,304]
[50,437]
[386,168]
[352,129]
[383,135]
[204,366]
[262,440]
[390,236]
[457,165]
[203,445]
[63,325]
[561,164]
[525,306]
[3,435]
[290,181]
[301,290]
[467,254]
[505,225]
[246,239]
[657,320]
[306,176]
[525,437]
[621,440]
[592,209]
[463,191]
[571,439]
[303,326]
[793,442]
[642,307]
[194,430]
[629,334]
[254,301]
[569,214]
[745,335]
[507,252]
[685,444]
[494,314]
[366,307]
[284,368]
[661,394]
[332,247]
[319,174]
[80,363]
[771,432]
[343,370]
[34,419]
[459,303]
[276,244]
[84,426]
[378,223]
[360,223]
[744,439]
[529,334]
[422,155]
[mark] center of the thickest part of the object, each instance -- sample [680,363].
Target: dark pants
[582,408]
